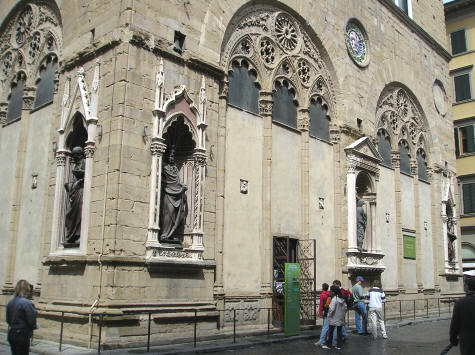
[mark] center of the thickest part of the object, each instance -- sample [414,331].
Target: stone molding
[365,261]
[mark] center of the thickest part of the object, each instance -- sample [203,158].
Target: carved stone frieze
[241,310]
[365,261]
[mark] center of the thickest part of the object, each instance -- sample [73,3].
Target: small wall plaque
[244,184]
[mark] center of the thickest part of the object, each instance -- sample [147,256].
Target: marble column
[351,202]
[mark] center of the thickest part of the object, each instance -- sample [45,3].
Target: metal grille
[306,251]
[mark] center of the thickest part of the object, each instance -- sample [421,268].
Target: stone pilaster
[303,120]
[395,161]
[418,227]
[220,185]
[265,110]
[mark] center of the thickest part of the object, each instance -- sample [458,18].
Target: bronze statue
[174,208]
[75,188]
[360,223]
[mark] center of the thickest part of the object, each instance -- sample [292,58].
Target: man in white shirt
[376,299]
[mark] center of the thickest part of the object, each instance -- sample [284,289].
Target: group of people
[334,304]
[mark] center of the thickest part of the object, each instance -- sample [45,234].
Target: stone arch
[299,57]
[399,112]
[26,33]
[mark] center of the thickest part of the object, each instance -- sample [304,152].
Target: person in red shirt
[322,313]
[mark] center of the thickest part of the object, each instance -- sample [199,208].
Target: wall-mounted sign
[292,299]
[409,242]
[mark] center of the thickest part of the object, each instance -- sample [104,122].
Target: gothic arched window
[421,164]
[384,147]
[15,102]
[405,157]
[45,84]
[319,119]
[243,89]
[284,109]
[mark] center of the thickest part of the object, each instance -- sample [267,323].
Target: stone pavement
[421,337]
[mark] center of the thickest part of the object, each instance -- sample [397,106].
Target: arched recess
[278,45]
[31,32]
[449,226]
[400,115]
[179,131]
[77,129]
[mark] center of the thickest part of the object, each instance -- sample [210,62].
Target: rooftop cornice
[418,30]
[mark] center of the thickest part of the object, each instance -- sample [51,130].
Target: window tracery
[32,32]
[401,119]
[279,49]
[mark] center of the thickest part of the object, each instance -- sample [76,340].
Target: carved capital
[60,159]
[413,167]
[395,159]
[223,90]
[265,107]
[351,163]
[200,159]
[303,120]
[157,148]
[430,173]
[89,151]
[335,136]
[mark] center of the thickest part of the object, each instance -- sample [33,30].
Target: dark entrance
[288,250]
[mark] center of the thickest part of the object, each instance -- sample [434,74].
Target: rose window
[303,71]
[402,104]
[24,25]
[267,51]
[34,45]
[286,32]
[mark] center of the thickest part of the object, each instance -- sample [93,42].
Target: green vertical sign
[409,243]
[292,299]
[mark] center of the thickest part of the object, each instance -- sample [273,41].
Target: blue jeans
[323,334]
[360,311]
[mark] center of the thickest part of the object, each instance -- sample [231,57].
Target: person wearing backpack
[376,299]
[360,307]
[336,317]
[346,294]
[324,304]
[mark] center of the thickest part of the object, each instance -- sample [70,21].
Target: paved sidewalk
[44,347]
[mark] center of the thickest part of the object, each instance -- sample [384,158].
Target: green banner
[409,242]
[292,299]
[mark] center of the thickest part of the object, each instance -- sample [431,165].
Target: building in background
[460,22]
[166,157]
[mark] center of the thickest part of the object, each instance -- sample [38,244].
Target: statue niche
[361,219]
[74,184]
[174,204]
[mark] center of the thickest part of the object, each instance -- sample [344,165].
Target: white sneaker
[324,346]
[385,336]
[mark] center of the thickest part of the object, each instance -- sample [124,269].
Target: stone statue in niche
[74,189]
[451,237]
[360,223]
[174,207]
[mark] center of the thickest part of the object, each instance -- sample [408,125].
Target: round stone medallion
[440,98]
[357,43]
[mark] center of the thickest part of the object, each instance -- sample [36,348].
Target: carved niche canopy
[362,154]
[277,47]
[31,33]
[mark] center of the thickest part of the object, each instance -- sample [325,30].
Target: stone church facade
[280,117]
